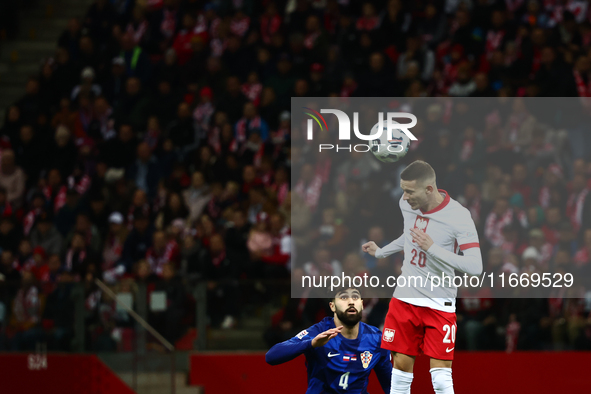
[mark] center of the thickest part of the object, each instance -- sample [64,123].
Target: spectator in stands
[27,309]
[5,207]
[277,257]
[9,271]
[165,102]
[77,255]
[86,86]
[550,228]
[223,289]
[12,178]
[119,152]
[30,106]
[66,215]
[115,82]
[59,314]
[250,122]
[145,171]
[46,235]
[89,230]
[9,235]
[196,196]
[181,131]
[113,249]
[138,241]
[12,123]
[501,216]
[163,251]
[137,63]
[169,321]
[29,153]
[174,209]
[576,200]
[134,105]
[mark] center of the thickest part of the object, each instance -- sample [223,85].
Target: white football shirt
[451,227]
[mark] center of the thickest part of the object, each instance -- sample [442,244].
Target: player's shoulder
[455,205]
[458,217]
[455,208]
[323,325]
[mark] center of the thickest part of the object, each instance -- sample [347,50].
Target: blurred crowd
[155,148]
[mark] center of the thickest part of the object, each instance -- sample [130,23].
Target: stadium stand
[153,149]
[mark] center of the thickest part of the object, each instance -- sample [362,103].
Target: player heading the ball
[422,319]
[340,351]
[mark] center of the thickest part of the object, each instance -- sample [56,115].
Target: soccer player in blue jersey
[340,351]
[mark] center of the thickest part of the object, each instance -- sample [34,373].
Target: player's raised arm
[395,246]
[304,341]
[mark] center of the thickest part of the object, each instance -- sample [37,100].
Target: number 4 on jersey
[344,381]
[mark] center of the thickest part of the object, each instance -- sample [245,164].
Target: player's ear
[332,306]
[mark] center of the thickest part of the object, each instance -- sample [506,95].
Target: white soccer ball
[389,151]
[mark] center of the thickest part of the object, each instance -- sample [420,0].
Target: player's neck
[347,332]
[434,203]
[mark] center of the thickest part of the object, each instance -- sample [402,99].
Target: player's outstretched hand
[422,239]
[370,247]
[322,338]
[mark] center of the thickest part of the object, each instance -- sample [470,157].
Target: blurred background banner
[523,372]
[59,374]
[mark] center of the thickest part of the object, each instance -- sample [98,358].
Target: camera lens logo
[317,121]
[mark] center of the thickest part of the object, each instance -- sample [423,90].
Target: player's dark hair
[418,171]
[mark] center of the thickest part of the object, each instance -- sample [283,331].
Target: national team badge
[421,223]
[366,358]
[388,335]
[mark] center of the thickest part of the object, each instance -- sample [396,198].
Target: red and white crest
[388,335]
[421,223]
[366,358]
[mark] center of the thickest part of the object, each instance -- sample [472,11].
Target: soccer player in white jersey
[419,319]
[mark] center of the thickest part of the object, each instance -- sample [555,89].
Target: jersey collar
[440,206]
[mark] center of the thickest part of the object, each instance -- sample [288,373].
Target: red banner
[480,372]
[58,374]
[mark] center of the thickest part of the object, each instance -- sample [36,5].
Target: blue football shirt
[342,365]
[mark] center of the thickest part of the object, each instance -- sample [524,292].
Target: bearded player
[419,319]
[340,351]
